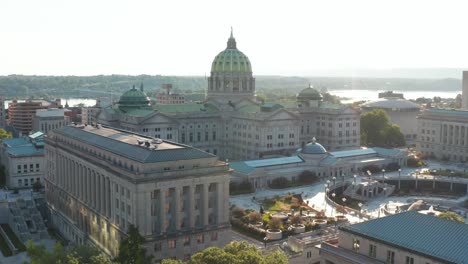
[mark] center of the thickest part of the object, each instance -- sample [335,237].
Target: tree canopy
[234,253]
[4,134]
[131,250]
[76,255]
[452,216]
[378,131]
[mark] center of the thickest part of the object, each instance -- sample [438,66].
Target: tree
[37,186]
[238,212]
[4,134]
[452,216]
[131,249]
[296,220]
[377,130]
[234,253]
[275,223]
[255,217]
[308,177]
[77,255]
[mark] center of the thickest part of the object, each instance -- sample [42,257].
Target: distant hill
[23,86]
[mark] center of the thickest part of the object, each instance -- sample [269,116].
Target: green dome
[309,94]
[231,59]
[134,98]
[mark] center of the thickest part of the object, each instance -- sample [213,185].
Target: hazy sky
[88,37]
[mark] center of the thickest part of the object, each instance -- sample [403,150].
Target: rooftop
[132,146]
[51,112]
[249,166]
[24,146]
[427,235]
[391,103]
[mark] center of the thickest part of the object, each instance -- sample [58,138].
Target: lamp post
[383,175]
[334,180]
[369,173]
[399,175]
[342,185]
[265,240]
[326,195]
[333,195]
[344,204]
[360,211]
[328,183]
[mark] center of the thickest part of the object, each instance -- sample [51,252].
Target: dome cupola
[134,98]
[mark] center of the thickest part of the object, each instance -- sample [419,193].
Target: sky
[90,37]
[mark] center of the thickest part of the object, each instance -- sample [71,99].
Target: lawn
[285,203]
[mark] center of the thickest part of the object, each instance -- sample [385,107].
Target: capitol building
[230,122]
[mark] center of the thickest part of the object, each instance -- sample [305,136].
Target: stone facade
[230,123]
[46,120]
[24,161]
[100,180]
[443,134]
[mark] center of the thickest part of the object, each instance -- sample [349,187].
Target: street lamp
[342,186]
[333,195]
[399,175]
[370,174]
[383,175]
[328,183]
[360,211]
[265,240]
[334,180]
[344,204]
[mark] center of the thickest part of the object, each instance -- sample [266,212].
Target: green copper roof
[185,108]
[309,94]
[134,98]
[231,59]
[441,239]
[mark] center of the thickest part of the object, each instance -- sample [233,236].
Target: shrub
[255,217]
[308,177]
[280,182]
[392,167]
[238,212]
[275,223]
[414,162]
[296,220]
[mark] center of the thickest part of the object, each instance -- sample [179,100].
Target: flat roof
[126,144]
[352,153]
[249,166]
[431,236]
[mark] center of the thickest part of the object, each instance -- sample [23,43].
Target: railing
[8,241]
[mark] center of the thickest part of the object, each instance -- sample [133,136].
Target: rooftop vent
[157,141]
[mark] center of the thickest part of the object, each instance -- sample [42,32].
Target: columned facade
[175,204]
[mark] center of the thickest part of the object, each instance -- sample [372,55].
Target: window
[356,245]
[171,243]
[200,239]
[269,137]
[117,203]
[214,236]
[191,137]
[309,254]
[186,240]
[409,260]
[19,169]
[390,257]
[214,135]
[372,250]
[157,246]
[206,136]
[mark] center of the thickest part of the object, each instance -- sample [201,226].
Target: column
[102,194]
[108,198]
[177,208]
[95,188]
[162,209]
[205,204]
[192,205]
[220,202]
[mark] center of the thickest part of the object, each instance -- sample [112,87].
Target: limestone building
[46,120]
[101,180]
[408,237]
[24,160]
[443,134]
[401,112]
[168,97]
[230,122]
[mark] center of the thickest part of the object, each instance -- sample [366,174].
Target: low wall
[7,239]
